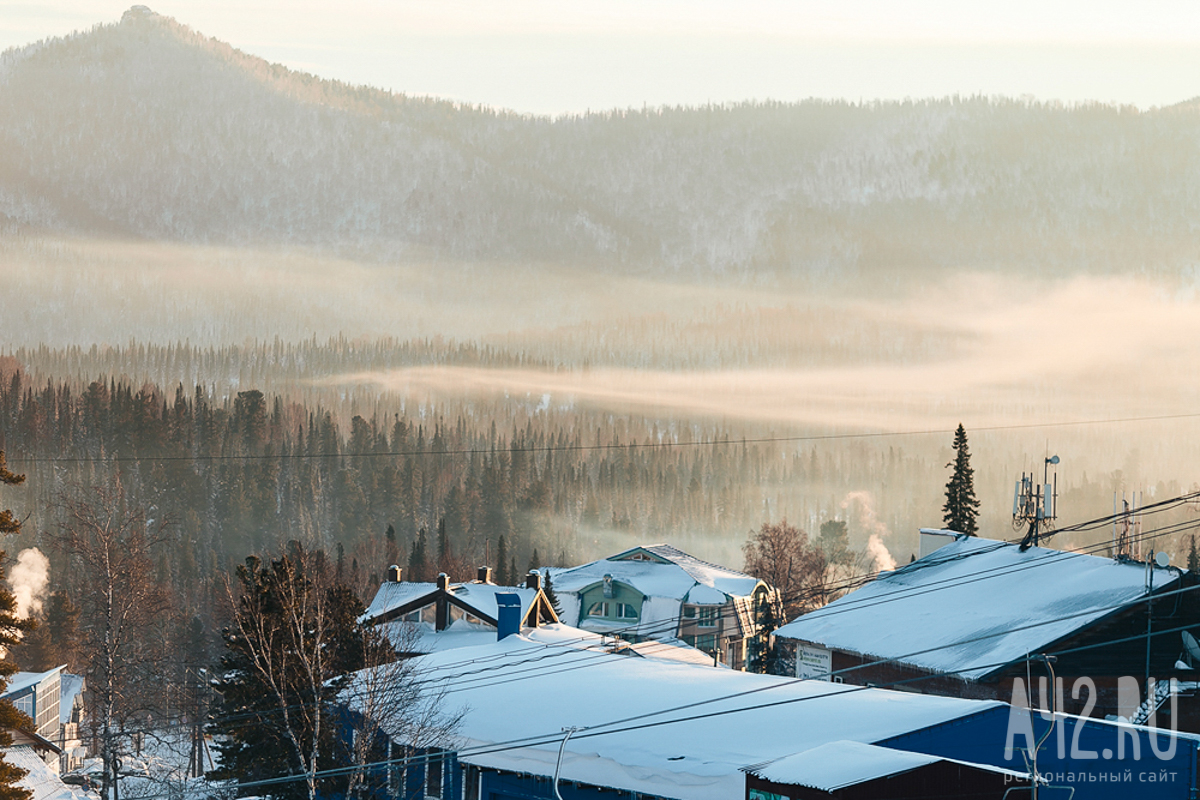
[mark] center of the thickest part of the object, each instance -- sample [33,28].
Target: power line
[609,728]
[584,448]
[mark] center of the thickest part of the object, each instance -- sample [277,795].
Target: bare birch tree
[394,707]
[112,541]
[292,640]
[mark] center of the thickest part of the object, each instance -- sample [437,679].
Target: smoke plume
[862,506]
[29,579]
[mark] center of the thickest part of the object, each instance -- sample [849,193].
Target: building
[426,617]
[963,620]
[32,753]
[70,715]
[856,771]
[39,696]
[647,730]
[659,592]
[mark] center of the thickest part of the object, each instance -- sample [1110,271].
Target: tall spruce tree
[962,507]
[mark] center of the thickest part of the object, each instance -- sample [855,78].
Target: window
[689,612]
[706,642]
[708,618]
[598,610]
[626,611]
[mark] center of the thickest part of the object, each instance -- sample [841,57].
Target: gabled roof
[976,605]
[395,594]
[394,599]
[660,570]
[836,765]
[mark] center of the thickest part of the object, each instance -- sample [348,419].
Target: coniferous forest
[250,312]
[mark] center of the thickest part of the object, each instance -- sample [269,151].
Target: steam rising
[29,578]
[862,506]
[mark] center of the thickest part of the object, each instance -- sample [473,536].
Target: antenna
[1036,504]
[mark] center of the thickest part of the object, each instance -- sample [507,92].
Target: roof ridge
[698,560]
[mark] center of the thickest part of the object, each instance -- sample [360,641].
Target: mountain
[147,129]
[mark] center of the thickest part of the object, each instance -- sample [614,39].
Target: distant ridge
[146,128]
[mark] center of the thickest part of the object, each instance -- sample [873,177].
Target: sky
[566,56]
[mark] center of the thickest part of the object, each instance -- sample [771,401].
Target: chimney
[533,580]
[443,581]
[485,575]
[508,615]
[394,574]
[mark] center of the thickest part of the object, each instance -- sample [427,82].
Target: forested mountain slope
[146,129]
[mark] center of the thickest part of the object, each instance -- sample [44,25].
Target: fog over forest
[845,282]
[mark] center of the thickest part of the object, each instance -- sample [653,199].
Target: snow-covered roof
[698,757]
[21,681]
[72,686]
[40,779]
[479,596]
[671,573]
[837,765]
[394,594]
[975,605]
[482,596]
[674,650]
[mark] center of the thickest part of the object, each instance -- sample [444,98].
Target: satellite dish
[1190,644]
[1052,460]
[1162,559]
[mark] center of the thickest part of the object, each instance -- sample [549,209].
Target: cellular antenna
[1035,505]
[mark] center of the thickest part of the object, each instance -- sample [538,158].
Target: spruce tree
[962,507]
[551,595]
[1193,562]
[444,554]
[389,538]
[418,559]
[11,629]
[502,576]
[292,642]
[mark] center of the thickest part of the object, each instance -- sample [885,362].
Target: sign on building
[813,662]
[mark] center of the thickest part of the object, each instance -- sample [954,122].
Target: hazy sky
[555,56]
